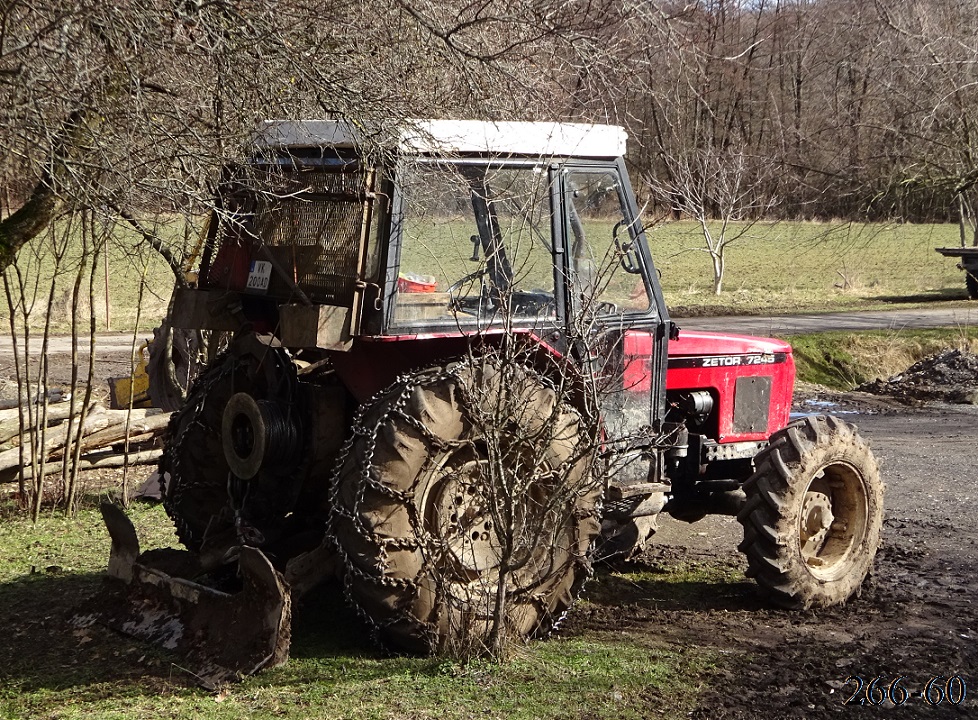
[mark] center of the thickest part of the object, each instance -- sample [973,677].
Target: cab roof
[451,137]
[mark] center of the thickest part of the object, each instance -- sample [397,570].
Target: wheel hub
[464,523]
[816,522]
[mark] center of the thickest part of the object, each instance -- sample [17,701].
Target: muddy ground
[916,616]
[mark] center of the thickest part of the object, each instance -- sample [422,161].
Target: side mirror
[627,253]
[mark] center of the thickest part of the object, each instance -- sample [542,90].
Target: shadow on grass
[930,296]
[43,651]
[672,588]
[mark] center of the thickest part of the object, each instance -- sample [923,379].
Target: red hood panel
[721,365]
[691,342]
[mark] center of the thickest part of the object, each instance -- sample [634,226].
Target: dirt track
[962,315]
[916,616]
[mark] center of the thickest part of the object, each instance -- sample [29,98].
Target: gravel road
[780,325]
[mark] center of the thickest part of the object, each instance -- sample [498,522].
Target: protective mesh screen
[311,222]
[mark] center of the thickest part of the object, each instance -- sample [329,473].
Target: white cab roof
[451,137]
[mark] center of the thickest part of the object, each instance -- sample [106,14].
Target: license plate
[259,275]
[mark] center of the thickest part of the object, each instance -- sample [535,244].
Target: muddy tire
[417,518]
[813,514]
[176,358]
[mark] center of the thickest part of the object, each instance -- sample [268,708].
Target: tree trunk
[28,222]
[45,201]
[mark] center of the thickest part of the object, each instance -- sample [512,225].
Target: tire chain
[396,397]
[206,382]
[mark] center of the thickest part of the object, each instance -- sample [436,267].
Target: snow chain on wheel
[813,514]
[418,518]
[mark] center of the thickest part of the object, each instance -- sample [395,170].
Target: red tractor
[450,378]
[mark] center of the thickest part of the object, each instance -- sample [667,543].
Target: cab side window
[605,271]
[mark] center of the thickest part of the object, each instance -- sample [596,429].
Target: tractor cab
[388,260]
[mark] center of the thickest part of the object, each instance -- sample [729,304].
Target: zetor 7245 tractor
[449,378]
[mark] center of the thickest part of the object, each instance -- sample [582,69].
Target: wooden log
[55,439]
[97,462]
[10,423]
[147,426]
[143,457]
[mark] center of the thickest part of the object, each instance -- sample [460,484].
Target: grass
[809,267]
[775,268]
[671,584]
[52,671]
[127,266]
[842,360]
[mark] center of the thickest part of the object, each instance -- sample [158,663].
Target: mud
[915,617]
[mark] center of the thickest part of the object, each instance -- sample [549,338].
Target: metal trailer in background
[968,261]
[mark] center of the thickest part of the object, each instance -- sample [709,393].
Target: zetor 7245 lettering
[448,380]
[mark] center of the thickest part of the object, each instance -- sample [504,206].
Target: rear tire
[176,358]
[417,520]
[813,515]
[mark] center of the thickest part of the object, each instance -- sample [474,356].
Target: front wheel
[813,515]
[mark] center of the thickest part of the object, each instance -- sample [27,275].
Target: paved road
[739,324]
[794,324]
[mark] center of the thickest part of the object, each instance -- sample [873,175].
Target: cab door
[617,315]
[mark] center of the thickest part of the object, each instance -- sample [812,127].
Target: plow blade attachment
[224,636]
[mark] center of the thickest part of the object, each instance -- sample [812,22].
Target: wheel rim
[833,520]
[458,516]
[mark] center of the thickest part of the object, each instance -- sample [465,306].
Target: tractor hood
[692,343]
[750,379]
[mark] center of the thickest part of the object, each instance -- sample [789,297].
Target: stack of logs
[103,437]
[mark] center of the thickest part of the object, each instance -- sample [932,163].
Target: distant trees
[839,108]
[848,109]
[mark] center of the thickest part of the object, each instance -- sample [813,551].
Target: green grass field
[126,269]
[775,268]
[809,267]
[842,360]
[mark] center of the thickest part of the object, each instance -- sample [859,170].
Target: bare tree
[725,193]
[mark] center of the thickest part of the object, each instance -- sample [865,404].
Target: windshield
[476,244]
